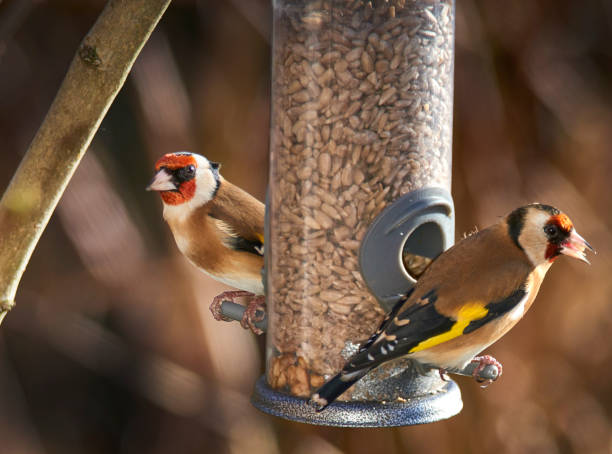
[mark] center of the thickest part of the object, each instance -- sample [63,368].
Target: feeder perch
[419,224]
[360,169]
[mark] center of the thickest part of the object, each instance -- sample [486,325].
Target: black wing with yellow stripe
[394,311]
[497,309]
[417,327]
[421,326]
[402,332]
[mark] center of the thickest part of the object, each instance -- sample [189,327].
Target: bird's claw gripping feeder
[358,200]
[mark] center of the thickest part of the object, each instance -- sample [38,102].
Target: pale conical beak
[162,181]
[575,246]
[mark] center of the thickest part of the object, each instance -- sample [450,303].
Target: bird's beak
[162,181]
[575,246]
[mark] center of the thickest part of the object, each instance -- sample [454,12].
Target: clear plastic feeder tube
[361,115]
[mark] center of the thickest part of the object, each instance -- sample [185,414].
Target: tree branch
[96,74]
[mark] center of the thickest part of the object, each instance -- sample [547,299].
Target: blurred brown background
[112,349]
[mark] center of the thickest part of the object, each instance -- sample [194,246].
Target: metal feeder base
[419,410]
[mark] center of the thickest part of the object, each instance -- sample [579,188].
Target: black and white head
[544,233]
[185,179]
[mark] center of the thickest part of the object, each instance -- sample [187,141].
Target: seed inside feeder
[361,114]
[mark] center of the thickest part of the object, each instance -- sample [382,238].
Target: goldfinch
[216,225]
[468,298]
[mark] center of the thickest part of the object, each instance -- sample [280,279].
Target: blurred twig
[96,74]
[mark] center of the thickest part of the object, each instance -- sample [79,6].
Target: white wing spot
[519,309]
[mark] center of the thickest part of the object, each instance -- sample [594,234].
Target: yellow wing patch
[260,237]
[468,313]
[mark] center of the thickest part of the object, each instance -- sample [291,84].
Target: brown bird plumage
[468,298]
[511,270]
[216,225]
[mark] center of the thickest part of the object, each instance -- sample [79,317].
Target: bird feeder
[359,199]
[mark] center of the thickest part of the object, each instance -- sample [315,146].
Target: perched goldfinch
[216,225]
[468,298]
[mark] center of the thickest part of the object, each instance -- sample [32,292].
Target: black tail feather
[331,390]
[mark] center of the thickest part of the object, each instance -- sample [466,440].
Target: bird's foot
[484,361]
[215,307]
[443,375]
[255,312]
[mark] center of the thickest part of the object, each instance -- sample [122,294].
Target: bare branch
[96,74]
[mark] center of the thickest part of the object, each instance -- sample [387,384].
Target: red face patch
[185,192]
[565,226]
[552,251]
[563,222]
[175,161]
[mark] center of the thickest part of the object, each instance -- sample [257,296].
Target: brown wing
[484,267]
[241,211]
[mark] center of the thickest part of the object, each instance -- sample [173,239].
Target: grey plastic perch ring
[423,222]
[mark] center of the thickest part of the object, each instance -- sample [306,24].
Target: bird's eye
[186,173]
[552,231]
